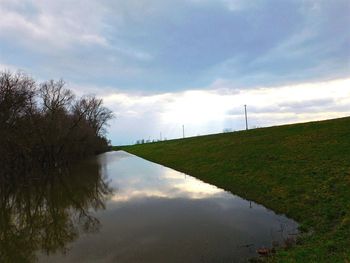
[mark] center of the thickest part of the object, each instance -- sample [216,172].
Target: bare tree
[91,109]
[17,93]
[55,97]
[47,125]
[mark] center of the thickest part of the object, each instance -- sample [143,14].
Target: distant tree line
[142,141]
[45,124]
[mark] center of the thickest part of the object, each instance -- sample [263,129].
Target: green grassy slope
[301,170]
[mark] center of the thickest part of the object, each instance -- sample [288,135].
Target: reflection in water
[46,211]
[160,215]
[155,215]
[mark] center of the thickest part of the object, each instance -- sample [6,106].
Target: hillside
[301,170]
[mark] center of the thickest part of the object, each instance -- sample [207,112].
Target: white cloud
[56,24]
[232,5]
[48,26]
[235,5]
[210,111]
[10,67]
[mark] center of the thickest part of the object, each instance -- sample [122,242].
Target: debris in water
[265,251]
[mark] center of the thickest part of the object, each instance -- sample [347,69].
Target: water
[132,210]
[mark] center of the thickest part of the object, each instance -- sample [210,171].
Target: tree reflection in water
[43,212]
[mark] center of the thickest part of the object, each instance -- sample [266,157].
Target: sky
[161,64]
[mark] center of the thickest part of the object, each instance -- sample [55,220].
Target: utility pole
[183,131]
[246,117]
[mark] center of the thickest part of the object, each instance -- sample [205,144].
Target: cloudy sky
[161,64]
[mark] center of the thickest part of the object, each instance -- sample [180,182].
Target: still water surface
[139,211]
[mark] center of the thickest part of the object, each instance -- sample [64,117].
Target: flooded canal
[132,210]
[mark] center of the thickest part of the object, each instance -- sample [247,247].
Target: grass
[301,170]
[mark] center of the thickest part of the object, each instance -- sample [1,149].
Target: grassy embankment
[300,170]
